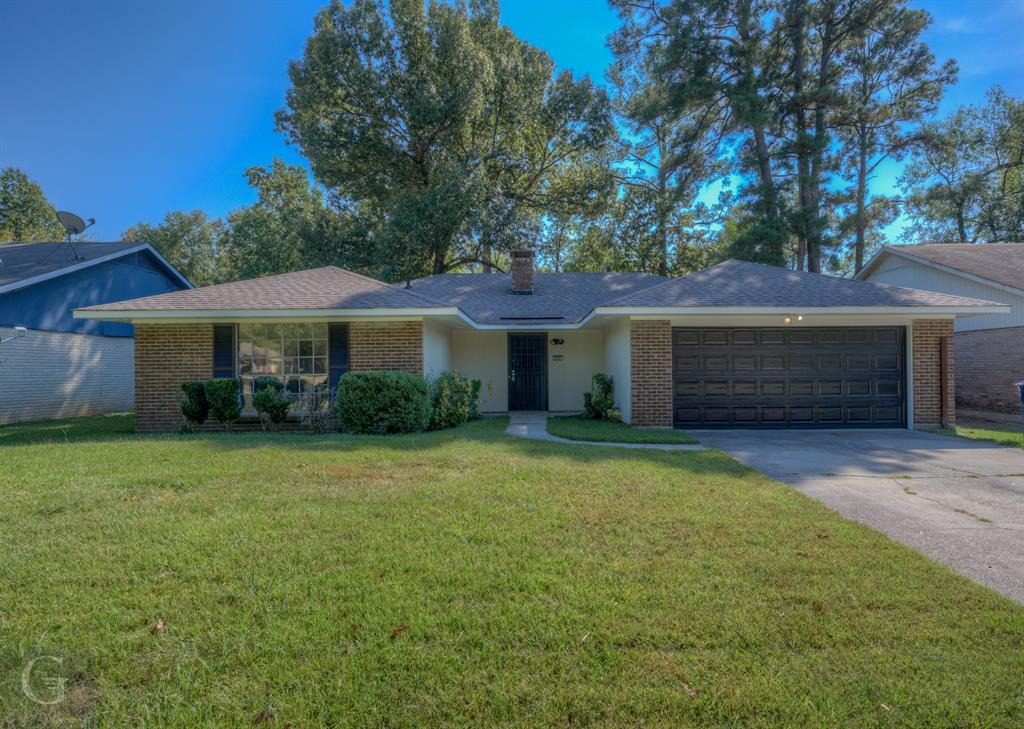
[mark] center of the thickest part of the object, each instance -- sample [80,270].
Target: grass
[1008,435]
[465,578]
[577,427]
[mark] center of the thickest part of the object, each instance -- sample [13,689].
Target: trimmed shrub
[383,402]
[223,395]
[270,402]
[194,407]
[451,396]
[600,399]
[474,399]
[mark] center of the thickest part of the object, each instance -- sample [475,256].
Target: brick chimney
[522,271]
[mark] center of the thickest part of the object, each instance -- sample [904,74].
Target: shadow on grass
[483,433]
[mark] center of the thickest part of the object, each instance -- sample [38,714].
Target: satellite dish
[73,224]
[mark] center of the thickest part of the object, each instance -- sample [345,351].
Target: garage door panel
[807,377]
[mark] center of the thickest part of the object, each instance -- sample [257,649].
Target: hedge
[383,402]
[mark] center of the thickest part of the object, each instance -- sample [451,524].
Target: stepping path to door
[534,426]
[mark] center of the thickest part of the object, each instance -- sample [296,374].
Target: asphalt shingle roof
[739,283]
[565,298]
[21,261]
[1002,263]
[318,288]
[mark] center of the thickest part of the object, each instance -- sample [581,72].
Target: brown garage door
[792,377]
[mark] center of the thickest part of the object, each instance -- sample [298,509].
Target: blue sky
[123,111]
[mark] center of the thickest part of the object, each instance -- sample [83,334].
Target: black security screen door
[527,372]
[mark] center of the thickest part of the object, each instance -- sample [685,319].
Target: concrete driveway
[958,501]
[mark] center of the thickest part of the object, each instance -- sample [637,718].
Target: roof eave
[210,315]
[80,265]
[840,310]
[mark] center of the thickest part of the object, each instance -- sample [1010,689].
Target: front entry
[527,372]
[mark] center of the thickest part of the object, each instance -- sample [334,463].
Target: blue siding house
[60,366]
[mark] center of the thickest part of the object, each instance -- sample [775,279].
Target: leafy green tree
[445,136]
[964,182]
[288,228]
[723,62]
[780,82]
[26,215]
[890,81]
[668,152]
[189,240]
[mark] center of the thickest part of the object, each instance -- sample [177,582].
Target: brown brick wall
[651,358]
[386,346]
[927,387]
[167,355]
[988,363]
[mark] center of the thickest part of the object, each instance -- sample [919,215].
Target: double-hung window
[295,354]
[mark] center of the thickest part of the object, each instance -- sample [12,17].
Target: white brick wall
[58,374]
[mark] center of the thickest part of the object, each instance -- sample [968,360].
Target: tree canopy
[964,182]
[437,140]
[188,240]
[26,216]
[447,136]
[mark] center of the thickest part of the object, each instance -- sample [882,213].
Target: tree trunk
[439,264]
[961,225]
[803,166]
[862,191]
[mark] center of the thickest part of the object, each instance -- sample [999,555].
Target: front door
[527,372]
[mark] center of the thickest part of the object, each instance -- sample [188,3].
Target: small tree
[223,396]
[194,407]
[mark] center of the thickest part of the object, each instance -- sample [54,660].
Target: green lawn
[1009,435]
[465,578]
[576,427]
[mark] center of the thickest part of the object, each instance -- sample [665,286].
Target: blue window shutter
[337,353]
[223,350]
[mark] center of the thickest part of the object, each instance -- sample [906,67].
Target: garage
[792,377]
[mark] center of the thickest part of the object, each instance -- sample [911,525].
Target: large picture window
[294,354]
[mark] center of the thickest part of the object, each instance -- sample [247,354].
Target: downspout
[943,381]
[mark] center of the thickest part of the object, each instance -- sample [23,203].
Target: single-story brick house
[51,364]
[990,347]
[737,344]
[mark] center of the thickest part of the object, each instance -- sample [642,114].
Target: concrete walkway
[534,426]
[959,501]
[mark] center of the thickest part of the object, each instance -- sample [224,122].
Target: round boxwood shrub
[270,402]
[194,407]
[383,402]
[225,404]
[451,400]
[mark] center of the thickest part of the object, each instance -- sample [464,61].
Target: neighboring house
[989,348]
[738,344]
[64,366]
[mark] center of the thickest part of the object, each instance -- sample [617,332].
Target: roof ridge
[390,286]
[669,280]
